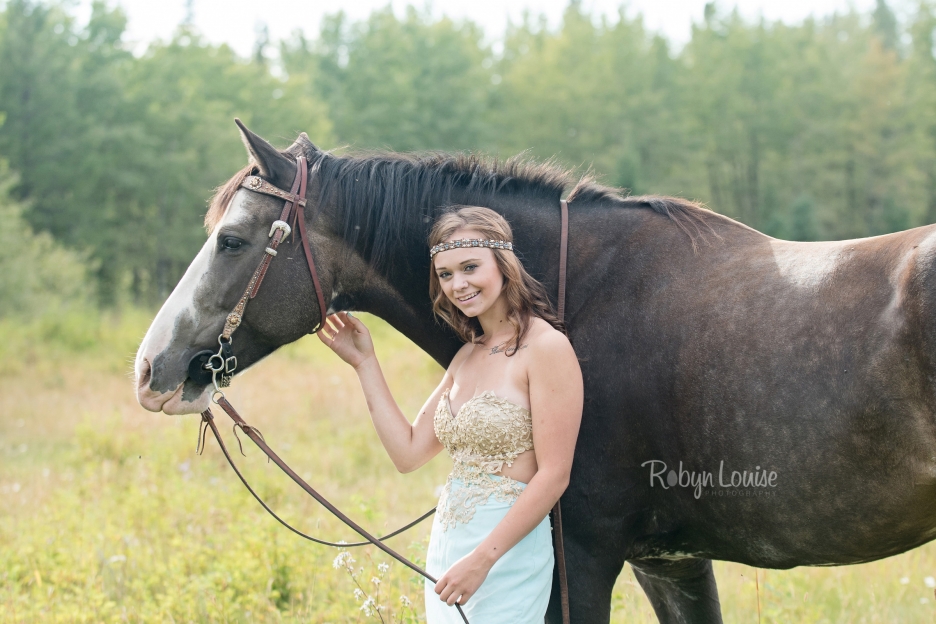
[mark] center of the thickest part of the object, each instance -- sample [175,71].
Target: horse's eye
[229,242]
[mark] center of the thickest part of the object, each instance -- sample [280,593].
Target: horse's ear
[302,146]
[273,165]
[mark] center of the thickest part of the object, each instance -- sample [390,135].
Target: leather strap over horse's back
[557,510]
[563,256]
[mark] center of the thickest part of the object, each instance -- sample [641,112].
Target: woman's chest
[487,371]
[486,424]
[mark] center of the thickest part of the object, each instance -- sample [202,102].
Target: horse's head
[285,308]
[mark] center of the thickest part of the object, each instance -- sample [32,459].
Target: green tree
[599,95]
[921,104]
[885,25]
[69,133]
[116,154]
[189,92]
[409,84]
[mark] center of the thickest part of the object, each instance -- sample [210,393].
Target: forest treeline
[821,130]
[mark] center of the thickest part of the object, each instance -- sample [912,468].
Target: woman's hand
[347,336]
[463,579]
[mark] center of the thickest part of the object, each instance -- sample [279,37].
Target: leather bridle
[218,368]
[223,363]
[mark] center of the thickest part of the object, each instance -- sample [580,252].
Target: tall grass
[109,516]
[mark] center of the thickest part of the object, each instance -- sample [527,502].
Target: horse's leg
[682,591]
[591,577]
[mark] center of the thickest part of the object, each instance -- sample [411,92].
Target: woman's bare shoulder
[459,358]
[541,330]
[554,375]
[548,344]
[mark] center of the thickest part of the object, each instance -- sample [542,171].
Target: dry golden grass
[108,514]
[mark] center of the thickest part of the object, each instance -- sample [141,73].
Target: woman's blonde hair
[525,297]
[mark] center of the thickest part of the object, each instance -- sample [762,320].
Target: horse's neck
[410,315]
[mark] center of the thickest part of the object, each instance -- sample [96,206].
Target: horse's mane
[388,195]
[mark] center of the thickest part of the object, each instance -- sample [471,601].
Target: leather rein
[218,368]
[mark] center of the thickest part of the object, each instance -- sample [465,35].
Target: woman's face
[469,276]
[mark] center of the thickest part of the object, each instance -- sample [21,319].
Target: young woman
[507,410]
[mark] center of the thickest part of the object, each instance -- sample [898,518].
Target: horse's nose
[150,399]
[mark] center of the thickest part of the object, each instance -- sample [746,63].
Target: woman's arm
[408,445]
[556,402]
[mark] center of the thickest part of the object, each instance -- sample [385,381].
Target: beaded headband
[470,242]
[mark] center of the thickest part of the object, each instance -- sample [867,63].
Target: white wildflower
[369,607]
[343,560]
[383,567]
[405,601]
[929,581]
[358,594]
[375,581]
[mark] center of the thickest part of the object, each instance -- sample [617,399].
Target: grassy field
[108,515]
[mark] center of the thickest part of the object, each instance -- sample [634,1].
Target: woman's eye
[468,267]
[229,242]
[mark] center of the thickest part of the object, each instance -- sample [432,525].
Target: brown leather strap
[290,209]
[563,255]
[557,510]
[257,439]
[293,202]
[208,423]
[292,215]
[259,185]
[300,221]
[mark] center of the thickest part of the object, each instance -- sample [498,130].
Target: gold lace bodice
[487,433]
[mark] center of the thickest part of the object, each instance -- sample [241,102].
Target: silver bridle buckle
[280,225]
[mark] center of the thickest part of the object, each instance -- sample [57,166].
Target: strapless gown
[487,433]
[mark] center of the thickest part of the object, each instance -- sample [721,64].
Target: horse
[747,399]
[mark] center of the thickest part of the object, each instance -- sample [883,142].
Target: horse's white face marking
[179,307]
[807,265]
[238,211]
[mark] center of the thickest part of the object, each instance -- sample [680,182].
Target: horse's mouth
[173,402]
[178,404]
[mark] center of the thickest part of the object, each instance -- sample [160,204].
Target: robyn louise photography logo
[757,482]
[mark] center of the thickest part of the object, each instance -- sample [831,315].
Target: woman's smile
[469,297]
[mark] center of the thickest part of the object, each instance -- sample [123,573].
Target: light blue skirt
[516,590]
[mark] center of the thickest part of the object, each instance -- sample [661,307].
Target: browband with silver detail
[471,242]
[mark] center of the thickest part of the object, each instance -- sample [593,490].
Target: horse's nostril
[145,373]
